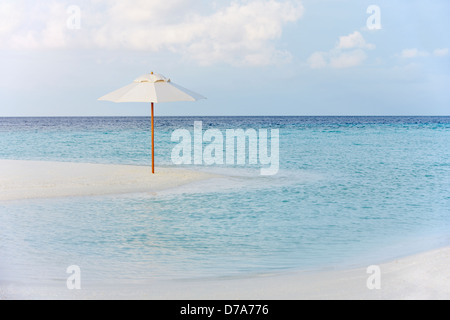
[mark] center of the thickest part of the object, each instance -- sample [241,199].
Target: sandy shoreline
[34,179]
[423,276]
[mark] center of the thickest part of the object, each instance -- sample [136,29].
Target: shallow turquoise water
[350,191]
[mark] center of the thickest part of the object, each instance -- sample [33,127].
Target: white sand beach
[34,179]
[424,276]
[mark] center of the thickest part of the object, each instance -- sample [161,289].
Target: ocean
[350,192]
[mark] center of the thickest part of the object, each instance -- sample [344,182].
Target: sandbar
[41,179]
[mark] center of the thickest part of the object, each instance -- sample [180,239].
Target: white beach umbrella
[152,88]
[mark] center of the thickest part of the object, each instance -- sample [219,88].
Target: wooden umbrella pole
[153,141]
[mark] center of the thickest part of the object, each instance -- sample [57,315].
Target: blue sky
[253,57]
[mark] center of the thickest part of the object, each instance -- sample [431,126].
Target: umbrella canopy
[152,88]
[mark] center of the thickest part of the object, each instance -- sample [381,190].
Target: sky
[248,57]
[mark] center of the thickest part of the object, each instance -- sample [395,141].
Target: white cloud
[416,53]
[238,32]
[441,52]
[318,60]
[354,40]
[413,53]
[10,18]
[349,52]
[35,26]
[348,59]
